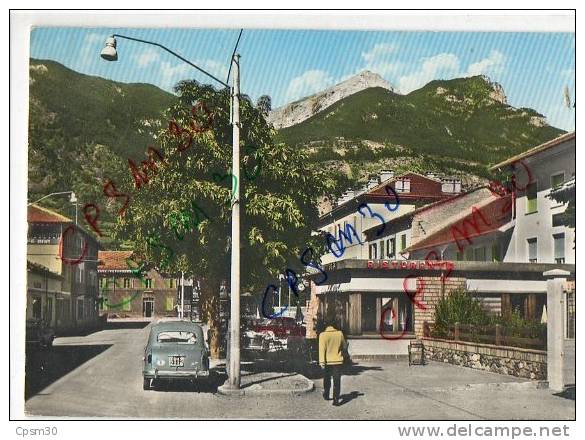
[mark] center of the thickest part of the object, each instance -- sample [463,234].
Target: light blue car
[175,350]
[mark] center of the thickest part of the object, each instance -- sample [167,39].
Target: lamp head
[109,53]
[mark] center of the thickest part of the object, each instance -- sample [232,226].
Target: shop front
[386,301]
[370,304]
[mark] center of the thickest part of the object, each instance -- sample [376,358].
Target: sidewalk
[262,382]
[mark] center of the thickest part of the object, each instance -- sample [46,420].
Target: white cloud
[147,57]
[309,82]
[218,69]
[441,66]
[171,74]
[379,50]
[492,65]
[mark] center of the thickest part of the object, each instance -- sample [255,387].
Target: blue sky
[533,68]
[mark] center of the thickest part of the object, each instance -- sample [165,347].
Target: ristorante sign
[410,264]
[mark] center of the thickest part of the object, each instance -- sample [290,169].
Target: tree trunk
[210,313]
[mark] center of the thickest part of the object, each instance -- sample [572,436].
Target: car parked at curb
[175,350]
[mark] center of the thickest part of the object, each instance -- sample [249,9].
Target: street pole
[182,314]
[234,361]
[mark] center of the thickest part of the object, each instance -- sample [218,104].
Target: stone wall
[520,362]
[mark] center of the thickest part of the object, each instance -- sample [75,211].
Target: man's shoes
[326,396]
[336,402]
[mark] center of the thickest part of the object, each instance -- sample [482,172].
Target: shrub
[459,306]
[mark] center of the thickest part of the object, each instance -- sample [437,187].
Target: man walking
[331,347]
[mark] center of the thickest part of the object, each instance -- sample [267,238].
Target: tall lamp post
[110,53]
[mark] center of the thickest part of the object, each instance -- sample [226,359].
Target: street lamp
[110,53]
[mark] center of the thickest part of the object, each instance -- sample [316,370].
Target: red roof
[113,260]
[477,221]
[38,214]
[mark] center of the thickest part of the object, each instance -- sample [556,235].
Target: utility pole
[234,348]
[182,314]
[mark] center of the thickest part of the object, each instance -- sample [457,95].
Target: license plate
[176,361]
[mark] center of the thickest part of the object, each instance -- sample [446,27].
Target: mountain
[82,129]
[456,126]
[298,111]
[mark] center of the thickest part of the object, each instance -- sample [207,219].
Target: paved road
[102,378]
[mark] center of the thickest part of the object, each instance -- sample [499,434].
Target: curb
[535,384]
[257,390]
[378,357]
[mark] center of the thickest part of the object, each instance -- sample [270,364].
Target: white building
[537,233]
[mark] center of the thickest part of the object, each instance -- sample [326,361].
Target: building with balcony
[63,248]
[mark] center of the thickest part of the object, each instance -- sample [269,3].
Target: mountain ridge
[302,109]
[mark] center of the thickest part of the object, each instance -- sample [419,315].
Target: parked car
[39,333]
[175,350]
[274,335]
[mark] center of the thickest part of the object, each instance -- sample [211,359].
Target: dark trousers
[335,372]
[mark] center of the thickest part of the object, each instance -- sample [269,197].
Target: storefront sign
[408,264]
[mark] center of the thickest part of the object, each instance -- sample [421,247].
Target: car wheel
[146,384]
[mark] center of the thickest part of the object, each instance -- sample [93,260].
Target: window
[459,256]
[468,254]
[176,337]
[532,250]
[496,256]
[402,186]
[169,306]
[382,255]
[127,304]
[373,251]
[126,283]
[557,180]
[36,307]
[559,240]
[148,283]
[391,247]
[479,254]
[403,242]
[531,205]
[557,219]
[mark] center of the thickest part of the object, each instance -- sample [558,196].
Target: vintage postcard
[249,220]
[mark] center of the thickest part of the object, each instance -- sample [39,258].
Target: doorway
[147,307]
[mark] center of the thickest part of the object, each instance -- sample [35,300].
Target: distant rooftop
[38,214]
[113,260]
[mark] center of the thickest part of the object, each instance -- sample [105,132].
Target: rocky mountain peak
[497,94]
[303,109]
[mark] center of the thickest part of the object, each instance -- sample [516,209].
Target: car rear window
[176,337]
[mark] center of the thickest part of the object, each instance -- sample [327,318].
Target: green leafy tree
[264,104]
[180,217]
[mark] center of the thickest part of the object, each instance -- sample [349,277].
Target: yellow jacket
[331,345]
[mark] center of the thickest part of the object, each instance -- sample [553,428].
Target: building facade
[44,292]
[479,240]
[123,294]
[60,246]
[538,235]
